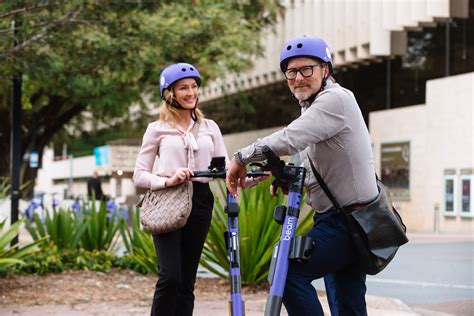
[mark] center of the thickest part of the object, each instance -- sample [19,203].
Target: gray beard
[302,96]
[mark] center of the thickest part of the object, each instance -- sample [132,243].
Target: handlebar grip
[269,154]
[208,174]
[273,161]
[197,174]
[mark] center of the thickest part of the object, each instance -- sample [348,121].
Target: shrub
[140,250]
[62,227]
[10,256]
[258,233]
[90,230]
[52,260]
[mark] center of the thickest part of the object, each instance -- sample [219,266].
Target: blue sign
[102,156]
[34,159]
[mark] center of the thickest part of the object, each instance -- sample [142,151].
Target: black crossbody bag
[377,229]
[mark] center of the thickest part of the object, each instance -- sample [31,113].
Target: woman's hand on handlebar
[235,174]
[180,175]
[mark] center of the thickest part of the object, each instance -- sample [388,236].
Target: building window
[396,169]
[450,200]
[467,195]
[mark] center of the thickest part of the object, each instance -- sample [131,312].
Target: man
[332,133]
[94,187]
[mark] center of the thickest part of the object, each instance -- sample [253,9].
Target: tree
[95,59]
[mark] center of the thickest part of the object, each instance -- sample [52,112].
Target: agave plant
[101,230]
[13,255]
[61,226]
[258,234]
[92,229]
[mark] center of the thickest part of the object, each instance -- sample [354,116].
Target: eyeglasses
[305,71]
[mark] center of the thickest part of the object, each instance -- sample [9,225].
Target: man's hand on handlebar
[235,174]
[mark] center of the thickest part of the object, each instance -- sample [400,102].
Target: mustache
[301,86]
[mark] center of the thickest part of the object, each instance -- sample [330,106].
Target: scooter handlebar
[274,164]
[209,174]
[222,174]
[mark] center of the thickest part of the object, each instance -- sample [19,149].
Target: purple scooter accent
[293,178]
[287,234]
[236,304]
[217,171]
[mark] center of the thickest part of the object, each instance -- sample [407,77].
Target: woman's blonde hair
[170,113]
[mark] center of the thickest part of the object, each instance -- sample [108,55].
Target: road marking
[426,284]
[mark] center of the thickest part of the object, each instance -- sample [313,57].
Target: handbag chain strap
[325,188]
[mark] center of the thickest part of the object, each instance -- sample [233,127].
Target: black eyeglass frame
[300,70]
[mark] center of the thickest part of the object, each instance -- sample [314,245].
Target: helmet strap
[178,106]
[175,104]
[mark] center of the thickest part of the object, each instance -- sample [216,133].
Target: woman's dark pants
[178,255]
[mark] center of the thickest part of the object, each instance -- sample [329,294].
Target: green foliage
[141,254]
[258,234]
[52,260]
[63,228]
[14,255]
[99,57]
[90,230]
[4,188]
[100,230]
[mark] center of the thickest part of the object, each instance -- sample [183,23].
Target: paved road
[425,273]
[429,271]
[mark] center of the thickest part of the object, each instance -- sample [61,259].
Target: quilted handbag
[166,210]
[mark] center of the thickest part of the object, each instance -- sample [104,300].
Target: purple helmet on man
[305,46]
[176,72]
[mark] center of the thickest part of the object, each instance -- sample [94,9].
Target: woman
[181,147]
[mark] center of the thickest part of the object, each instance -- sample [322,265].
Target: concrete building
[434,143]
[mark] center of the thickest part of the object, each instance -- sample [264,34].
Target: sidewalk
[254,306]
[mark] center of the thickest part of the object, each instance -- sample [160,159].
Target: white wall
[441,137]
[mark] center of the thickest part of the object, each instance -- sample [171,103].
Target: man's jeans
[333,258]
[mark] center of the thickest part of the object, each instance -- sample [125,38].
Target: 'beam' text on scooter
[289,228]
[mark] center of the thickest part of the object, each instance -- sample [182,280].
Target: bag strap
[325,188]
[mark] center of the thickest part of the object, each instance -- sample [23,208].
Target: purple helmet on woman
[305,46]
[176,72]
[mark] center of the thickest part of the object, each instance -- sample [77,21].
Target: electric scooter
[217,170]
[288,247]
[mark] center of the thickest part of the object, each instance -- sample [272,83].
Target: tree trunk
[38,129]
